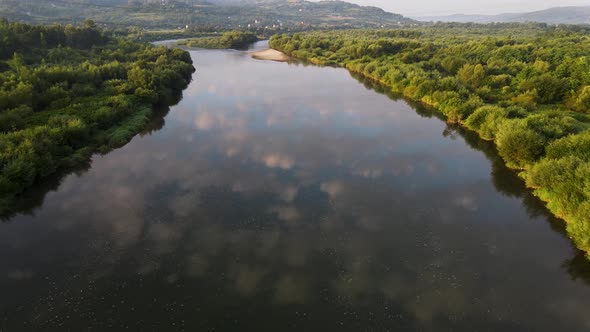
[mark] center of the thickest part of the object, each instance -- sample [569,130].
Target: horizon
[457,7]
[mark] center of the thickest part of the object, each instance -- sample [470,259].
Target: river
[286,197]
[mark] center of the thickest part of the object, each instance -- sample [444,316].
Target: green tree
[471,75]
[519,145]
[486,120]
[583,99]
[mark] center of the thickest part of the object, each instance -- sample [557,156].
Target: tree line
[525,87]
[230,39]
[68,91]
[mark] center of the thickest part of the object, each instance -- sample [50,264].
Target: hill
[210,15]
[556,15]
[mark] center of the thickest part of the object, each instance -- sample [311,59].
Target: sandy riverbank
[270,54]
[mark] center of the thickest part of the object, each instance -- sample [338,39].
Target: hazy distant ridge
[213,14]
[556,15]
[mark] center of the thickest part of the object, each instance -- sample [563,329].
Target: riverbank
[231,40]
[538,129]
[303,188]
[68,105]
[270,54]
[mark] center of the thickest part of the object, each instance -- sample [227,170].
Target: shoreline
[270,54]
[546,202]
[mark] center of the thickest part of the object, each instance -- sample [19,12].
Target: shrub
[471,75]
[573,145]
[583,99]
[485,121]
[553,126]
[526,100]
[565,184]
[14,119]
[579,227]
[519,145]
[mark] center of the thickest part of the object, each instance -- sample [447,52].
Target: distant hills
[556,15]
[209,14]
[266,15]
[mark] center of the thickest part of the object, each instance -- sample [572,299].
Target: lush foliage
[232,39]
[526,87]
[66,91]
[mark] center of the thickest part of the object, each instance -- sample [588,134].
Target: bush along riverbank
[67,91]
[525,87]
[233,39]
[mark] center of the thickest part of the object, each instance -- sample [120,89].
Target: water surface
[287,197]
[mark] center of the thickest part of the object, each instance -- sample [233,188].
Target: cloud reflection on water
[263,191]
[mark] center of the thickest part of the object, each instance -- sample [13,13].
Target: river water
[285,197]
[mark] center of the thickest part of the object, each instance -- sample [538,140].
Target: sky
[446,7]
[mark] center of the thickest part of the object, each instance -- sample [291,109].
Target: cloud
[332,188]
[286,213]
[275,160]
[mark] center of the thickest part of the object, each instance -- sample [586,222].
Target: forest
[524,87]
[231,39]
[69,91]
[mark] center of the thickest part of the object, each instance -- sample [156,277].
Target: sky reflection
[286,196]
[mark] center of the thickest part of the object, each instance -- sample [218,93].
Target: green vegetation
[526,87]
[162,34]
[261,17]
[234,39]
[68,91]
